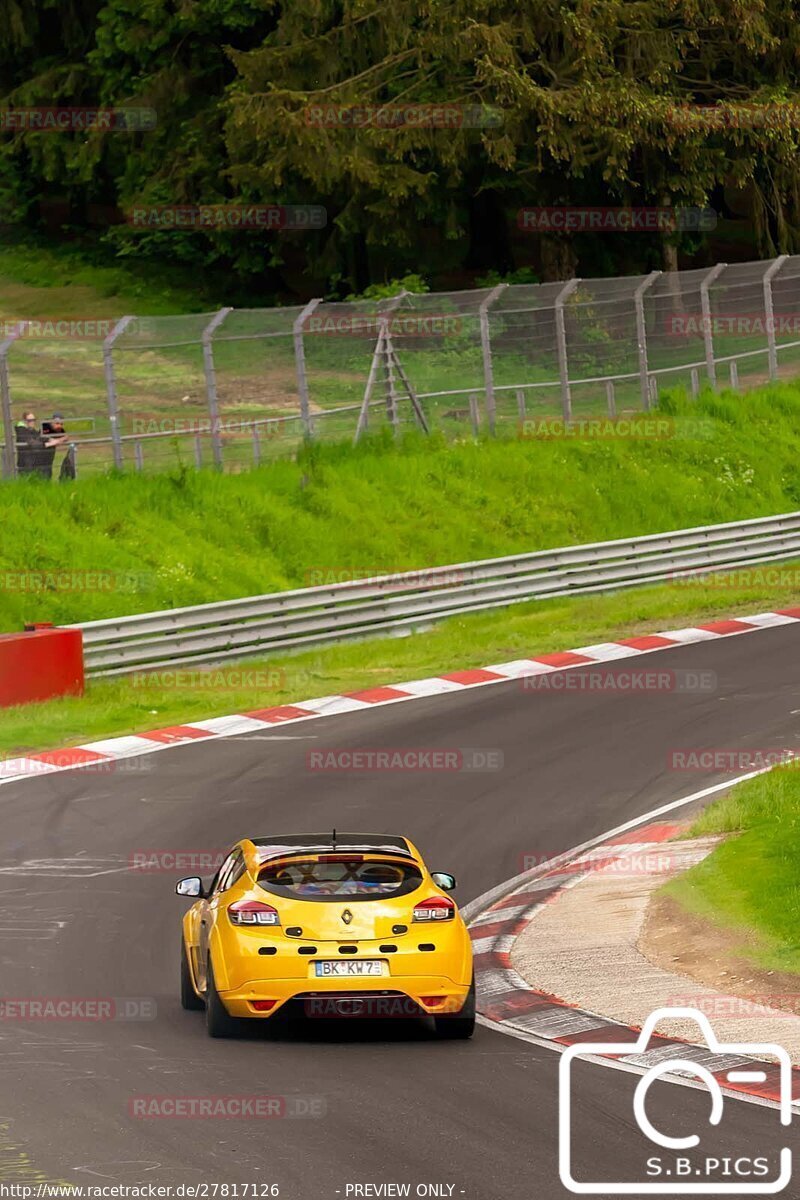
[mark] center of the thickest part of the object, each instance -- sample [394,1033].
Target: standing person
[30,445]
[56,435]
[35,450]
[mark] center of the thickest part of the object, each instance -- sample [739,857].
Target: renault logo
[347,916]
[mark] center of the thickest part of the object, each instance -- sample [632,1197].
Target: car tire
[460,1025]
[219,1022]
[189,997]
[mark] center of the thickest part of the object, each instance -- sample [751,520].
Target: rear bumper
[396,996]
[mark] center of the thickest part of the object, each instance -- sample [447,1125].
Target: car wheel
[219,1022]
[460,1024]
[189,997]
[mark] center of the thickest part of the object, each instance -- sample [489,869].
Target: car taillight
[438,908]
[253,912]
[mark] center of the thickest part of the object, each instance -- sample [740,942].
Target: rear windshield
[340,880]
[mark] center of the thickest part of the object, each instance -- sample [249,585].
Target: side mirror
[444,881]
[193,886]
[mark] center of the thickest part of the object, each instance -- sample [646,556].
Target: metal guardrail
[292,620]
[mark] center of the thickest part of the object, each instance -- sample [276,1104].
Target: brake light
[263,1005]
[253,912]
[438,908]
[340,858]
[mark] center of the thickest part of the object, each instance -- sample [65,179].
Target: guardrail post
[211,382]
[300,366]
[111,388]
[641,335]
[705,308]
[769,314]
[10,456]
[561,345]
[486,350]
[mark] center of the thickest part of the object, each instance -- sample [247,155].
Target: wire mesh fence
[242,386]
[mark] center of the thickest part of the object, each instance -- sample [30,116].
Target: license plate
[364,966]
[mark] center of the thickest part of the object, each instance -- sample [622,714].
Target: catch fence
[239,386]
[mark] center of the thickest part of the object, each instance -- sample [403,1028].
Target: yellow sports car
[336,924]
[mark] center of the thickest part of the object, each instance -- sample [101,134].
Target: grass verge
[127,705]
[751,883]
[121,544]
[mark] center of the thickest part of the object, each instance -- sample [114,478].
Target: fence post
[391,390]
[486,350]
[300,365]
[769,313]
[561,344]
[641,335]
[705,307]
[211,382]
[473,415]
[111,388]
[10,457]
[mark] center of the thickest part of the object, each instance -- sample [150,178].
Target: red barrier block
[40,665]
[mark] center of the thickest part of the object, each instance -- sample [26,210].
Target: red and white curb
[507,1001]
[98,755]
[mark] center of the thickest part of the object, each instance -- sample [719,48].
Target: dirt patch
[682,942]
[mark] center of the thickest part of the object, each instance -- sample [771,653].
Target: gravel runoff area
[584,948]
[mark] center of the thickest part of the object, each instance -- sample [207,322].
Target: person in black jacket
[35,451]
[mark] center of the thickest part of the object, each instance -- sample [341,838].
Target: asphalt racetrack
[393,1106]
